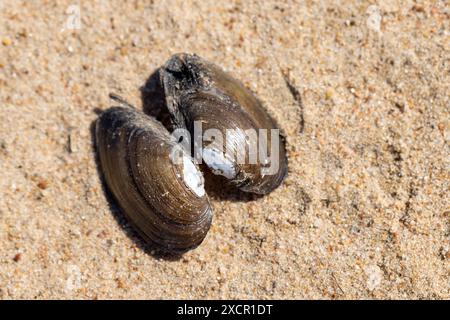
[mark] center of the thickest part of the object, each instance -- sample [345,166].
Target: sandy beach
[360,89]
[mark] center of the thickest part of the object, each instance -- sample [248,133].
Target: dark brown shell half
[134,152]
[197,90]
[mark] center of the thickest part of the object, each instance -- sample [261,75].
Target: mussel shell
[134,152]
[197,90]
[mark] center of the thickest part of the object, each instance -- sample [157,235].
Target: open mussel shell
[199,92]
[164,199]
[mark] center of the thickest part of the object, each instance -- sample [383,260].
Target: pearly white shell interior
[192,177]
[218,163]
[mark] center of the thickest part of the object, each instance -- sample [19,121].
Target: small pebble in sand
[17,257]
[374,277]
[329,94]
[120,283]
[43,184]
[374,19]
[6,41]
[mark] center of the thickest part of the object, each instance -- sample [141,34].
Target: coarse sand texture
[359,89]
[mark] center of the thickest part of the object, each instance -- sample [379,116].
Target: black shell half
[197,90]
[134,152]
